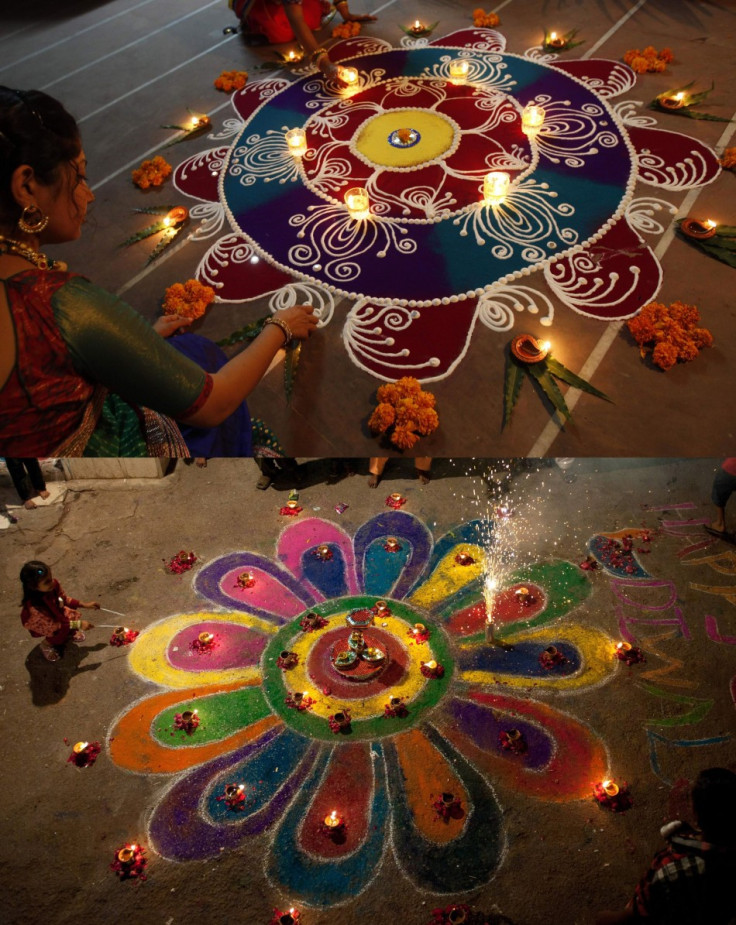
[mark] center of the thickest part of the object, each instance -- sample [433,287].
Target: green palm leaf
[566,375]
[249,332]
[144,233]
[550,388]
[291,363]
[166,241]
[512,387]
[726,254]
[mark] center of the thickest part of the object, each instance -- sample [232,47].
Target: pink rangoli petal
[604,77]
[611,279]
[671,160]
[236,273]
[197,176]
[390,341]
[298,538]
[478,38]
[246,101]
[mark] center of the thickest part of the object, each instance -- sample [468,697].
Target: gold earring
[32,220]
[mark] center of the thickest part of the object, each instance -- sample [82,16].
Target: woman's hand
[86,625]
[300,319]
[347,16]
[167,325]
[90,605]
[329,69]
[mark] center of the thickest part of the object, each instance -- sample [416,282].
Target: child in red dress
[49,612]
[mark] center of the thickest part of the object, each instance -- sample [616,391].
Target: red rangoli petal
[198,175]
[611,279]
[246,101]
[345,789]
[390,341]
[671,160]
[236,273]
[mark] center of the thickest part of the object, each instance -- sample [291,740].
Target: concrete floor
[564,860]
[125,69]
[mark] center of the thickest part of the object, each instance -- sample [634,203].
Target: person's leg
[21,481]
[422,466]
[376,465]
[724,484]
[33,468]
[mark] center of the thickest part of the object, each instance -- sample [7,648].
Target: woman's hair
[31,574]
[35,129]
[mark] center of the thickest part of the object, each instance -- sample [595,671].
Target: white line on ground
[614,28]
[47,48]
[154,80]
[552,428]
[143,38]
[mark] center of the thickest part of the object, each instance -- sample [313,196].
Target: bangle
[280,323]
[317,53]
[75,624]
[341,3]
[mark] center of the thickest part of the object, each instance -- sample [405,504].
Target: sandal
[50,653]
[78,636]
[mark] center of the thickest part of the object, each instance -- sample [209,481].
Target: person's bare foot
[44,494]
[29,505]
[373,479]
[423,476]
[719,526]
[201,462]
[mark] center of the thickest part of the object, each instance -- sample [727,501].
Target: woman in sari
[81,373]
[286,20]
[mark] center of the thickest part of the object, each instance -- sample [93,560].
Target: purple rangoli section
[210,583]
[234,647]
[483,726]
[403,526]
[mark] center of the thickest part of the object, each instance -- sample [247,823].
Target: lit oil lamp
[287,659]
[419,629]
[357,201]
[234,796]
[289,918]
[392,544]
[189,719]
[464,558]
[381,608]
[417,28]
[126,855]
[554,40]
[432,669]
[324,551]
[296,140]
[199,122]
[532,119]
[530,350]
[293,57]
[292,504]
[698,229]
[629,654]
[80,747]
[431,665]
[551,658]
[456,916]
[495,187]
[206,639]
[333,822]
[459,70]
[675,101]
[349,76]
[246,580]
[523,596]
[613,796]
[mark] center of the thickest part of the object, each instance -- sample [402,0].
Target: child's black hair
[31,574]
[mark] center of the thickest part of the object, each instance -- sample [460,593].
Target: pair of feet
[29,504]
[52,654]
[423,475]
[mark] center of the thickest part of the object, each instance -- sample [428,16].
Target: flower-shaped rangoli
[434,257]
[384,772]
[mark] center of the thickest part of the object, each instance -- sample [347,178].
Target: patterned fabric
[688,882]
[74,342]
[49,614]
[269,18]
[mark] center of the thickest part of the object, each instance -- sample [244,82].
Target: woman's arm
[343,9]
[112,344]
[304,35]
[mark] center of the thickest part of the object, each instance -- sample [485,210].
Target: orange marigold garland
[670,332]
[485,20]
[229,81]
[151,173]
[346,30]
[728,161]
[403,406]
[649,60]
[189,299]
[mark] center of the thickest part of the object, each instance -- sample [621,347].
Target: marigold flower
[666,55]
[151,173]
[670,332]
[403,437]
[231,80]
[664,355]
[189,299]
[427,420]
[346,30]
[382,418]
[649,60]
[484,20]
[729,158]
[408,386]
[702,337]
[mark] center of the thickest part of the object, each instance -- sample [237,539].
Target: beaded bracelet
[317,53]
[285,329]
